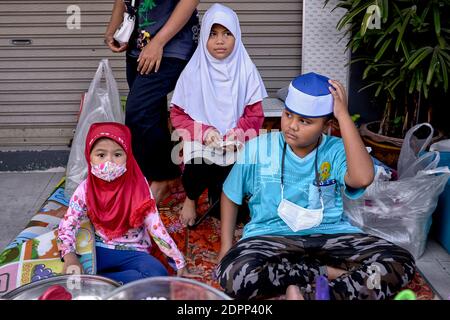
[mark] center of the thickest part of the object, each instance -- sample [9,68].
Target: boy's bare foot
[188,213]
[293,293]
[334,273]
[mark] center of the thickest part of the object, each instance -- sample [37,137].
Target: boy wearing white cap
[294,181]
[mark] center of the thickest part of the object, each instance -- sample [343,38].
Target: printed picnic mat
[34,255]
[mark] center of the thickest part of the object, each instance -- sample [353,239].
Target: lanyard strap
[130,6]
[315,168]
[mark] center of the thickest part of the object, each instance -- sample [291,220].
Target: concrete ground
[22,194]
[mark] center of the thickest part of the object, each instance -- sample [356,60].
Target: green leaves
[353,13]
[409,57]
[403,28]
[445,70]
[385,11]
[417,57]
[382,50]
[365,23]
[433,65]
[437,20]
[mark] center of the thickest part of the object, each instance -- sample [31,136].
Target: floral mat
[201,245]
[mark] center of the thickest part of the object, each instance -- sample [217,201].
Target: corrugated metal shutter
[41,83]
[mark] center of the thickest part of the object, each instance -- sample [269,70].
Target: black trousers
[147,117]
[197,177]
[264,266]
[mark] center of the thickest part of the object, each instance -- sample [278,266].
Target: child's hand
[181,272]
[340,99]
[72,265]
[231,136]
[184,272]
[213,138]
[234,143]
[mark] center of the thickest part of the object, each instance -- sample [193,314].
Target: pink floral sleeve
[158,231]
[70,223]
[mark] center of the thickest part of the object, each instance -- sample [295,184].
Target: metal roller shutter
[41,82]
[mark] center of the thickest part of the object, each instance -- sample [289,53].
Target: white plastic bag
[412,158]
[443,145]
[400,211]
[101,104]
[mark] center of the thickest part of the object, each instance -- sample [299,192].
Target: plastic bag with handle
[101,104]
[400,211]
[413,157]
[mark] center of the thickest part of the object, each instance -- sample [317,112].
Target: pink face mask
[108,171]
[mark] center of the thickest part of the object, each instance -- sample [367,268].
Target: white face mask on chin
[297,217]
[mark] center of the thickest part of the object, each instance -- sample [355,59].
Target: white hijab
[215,92]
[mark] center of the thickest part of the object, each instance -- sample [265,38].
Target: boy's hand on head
[150,57]
[340,99]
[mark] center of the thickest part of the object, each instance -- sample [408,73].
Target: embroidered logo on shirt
[325,171]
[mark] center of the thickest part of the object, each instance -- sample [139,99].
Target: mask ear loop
[282,170]
[317,171]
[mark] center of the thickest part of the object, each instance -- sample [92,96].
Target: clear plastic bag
[412,158]
[443,145]
[101,104]
[400,211]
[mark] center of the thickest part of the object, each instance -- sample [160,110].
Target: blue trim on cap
[305,116]
[312,83]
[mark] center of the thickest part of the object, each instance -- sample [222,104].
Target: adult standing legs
[147,118]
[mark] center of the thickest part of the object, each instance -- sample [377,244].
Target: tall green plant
[406,61]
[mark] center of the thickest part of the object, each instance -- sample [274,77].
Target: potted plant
[406,58]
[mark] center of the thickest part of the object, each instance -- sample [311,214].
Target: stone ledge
[33,160]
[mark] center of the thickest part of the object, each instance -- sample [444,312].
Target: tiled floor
[435,267]
[22,194]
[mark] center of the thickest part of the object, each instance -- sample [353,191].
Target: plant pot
[384,148]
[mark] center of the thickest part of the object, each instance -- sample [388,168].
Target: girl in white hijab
[217,97]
